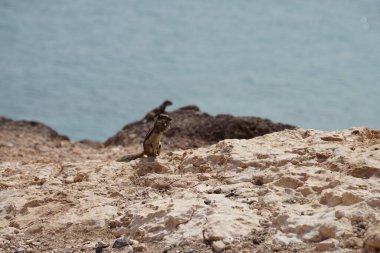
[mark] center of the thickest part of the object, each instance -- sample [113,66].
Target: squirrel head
[162,122]
[167,102]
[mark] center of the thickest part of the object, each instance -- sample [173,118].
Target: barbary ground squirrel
[157,111]
[152,142]
[151,115]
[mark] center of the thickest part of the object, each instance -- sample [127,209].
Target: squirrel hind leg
[159,148]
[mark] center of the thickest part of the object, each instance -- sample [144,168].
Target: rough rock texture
[27,141]
[192,128]
[289,191]
[29,127]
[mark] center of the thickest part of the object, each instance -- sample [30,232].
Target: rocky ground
[290,191]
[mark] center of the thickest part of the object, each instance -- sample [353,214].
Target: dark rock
[361,225]
[231,194]
[192,128]
[100,246]
[92,144]
[256,241]
[120,243]
[218,191]
[258,181]
[207,202]
[190,108]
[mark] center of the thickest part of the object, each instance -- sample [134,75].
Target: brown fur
[152,142]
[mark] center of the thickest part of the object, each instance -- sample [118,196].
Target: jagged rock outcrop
[29,127]
[29,138]
[192,128]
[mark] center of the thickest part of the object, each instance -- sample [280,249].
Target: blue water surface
[88,67]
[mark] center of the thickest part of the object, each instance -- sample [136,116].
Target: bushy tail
[128,158]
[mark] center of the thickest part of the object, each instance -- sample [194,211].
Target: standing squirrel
[152,142]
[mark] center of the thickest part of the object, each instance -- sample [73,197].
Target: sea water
[88,67]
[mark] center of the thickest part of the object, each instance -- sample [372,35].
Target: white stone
[286,239]
[127,249]
[133,242]
[327,245]
[218,246]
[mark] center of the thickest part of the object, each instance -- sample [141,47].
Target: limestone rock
[295,189]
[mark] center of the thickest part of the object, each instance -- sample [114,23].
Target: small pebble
[339,214]
[218,246]
[133,242]
[256,241]
[362,225]
[20,250]
[218,191]
[231,194]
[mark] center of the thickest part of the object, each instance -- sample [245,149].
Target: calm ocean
[87,67]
